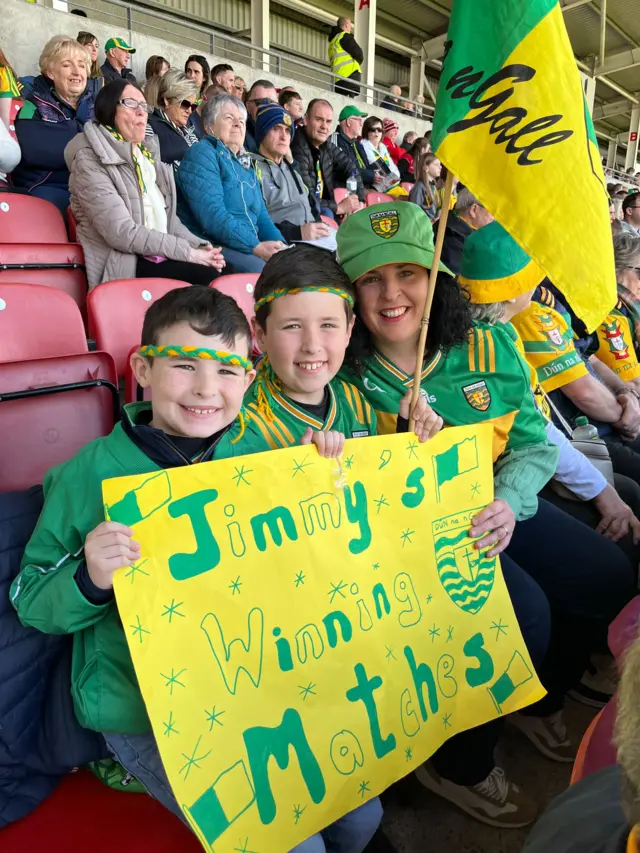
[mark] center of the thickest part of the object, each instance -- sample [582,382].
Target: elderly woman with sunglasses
[124,199]
[171,120]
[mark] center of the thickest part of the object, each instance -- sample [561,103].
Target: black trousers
[625,456]
[347,86]
[180,270]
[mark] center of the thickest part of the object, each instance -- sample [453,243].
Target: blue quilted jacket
[220,200]
[40,738]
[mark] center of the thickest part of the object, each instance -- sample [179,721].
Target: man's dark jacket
[110,73]
[455,234]
[336,167]
[348,146]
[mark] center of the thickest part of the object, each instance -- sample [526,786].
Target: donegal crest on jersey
[385,223]
[477,395]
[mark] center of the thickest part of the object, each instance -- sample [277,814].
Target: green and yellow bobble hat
[494,268]
[170,351]
[386,234]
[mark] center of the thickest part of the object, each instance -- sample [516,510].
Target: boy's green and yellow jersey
[617,346]
[348,413]
[484,380]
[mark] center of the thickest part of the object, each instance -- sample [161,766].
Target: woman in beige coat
[124,199]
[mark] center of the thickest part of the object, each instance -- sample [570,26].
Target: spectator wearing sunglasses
[172,119]
[124,198]
[261,92]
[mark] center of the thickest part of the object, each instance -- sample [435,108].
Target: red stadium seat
[49,409]
[339,194]
[38,322]
[407,186]
[25,219]
[72,226]
[16,105]
[330,222]
[82,815]
[59,265]
[116,311]
[240,287]
[378,198]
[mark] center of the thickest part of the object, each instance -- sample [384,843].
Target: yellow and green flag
[512,123]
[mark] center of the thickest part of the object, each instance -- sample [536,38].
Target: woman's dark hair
[449,325]
[202,62]
[370,122]
[205,309]
[301,266]
[107,101]
[419,146]
[154,66]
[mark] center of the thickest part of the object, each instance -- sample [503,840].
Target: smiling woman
[177,100]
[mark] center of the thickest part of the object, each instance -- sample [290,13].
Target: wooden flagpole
[424,328]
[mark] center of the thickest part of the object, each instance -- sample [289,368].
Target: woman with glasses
[171,120]
[388,178]
[95,80]
[124,199]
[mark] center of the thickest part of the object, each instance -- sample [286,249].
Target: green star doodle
[336,589]
[308,690]
[446,721]
[235,586]
[434,632]
[408,753]
[299,579]
[499,628]
[364,789]
[136,569]
[475,489]
[171,610]
[348,462]
[298,811]
[376,566]
[406,536]
[139,630]
[172,680]
[429,598]
[411,448]
[212,717]
[193,759]
[243,847]
[390,653]
[450,633]
[170,726]
[241,475]
[380,502]
[298,467]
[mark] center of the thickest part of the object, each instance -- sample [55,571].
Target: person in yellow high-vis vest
[345,56]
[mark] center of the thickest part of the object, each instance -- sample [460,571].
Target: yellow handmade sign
[305,634]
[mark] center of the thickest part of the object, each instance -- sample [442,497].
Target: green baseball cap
[494,267]
[386,233]
[350,112]
[121,43]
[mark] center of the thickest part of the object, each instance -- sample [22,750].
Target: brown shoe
[547,734]
[496,801]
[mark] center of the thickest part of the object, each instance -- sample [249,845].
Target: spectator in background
[292,102]
[347,138]
[171,120]
[223,77]
[345,56]
[240,89]
[219,196]
[53,113]
[261,92]
[118,55]
[615,211]
[322,164]
[391,130]
[288,201]
[392,101]
[156,68]
[95,81]
[124,199]
[9,155]
[387,179]
[10,88]
[407,163]
[197,69]
[408,139]
[78,12]
[631,214]
[467,216]
[425,189]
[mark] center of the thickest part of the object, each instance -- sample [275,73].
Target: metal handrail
[216,35]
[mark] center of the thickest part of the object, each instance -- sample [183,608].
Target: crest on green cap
[385,223]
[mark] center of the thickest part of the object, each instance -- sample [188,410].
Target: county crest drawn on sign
[304,634]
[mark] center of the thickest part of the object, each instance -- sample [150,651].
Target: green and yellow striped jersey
[484,380]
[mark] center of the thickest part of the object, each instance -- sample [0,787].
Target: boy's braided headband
[171,351]
[321,289]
